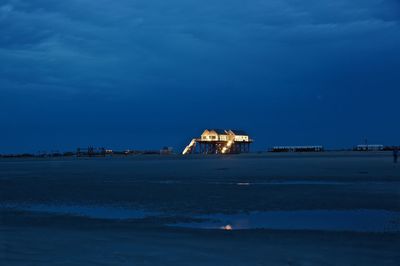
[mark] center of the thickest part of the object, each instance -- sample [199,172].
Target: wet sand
[52,211]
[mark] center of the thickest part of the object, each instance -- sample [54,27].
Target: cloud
[115,45]
[5,9]
[306,63]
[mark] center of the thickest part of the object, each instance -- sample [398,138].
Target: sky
[130,74]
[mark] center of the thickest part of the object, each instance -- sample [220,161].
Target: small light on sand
[227,227]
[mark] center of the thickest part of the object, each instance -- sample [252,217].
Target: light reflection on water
[324,220]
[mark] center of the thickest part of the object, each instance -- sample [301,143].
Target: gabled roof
[225,132]
[218,131]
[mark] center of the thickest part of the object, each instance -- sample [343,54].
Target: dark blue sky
[144,74]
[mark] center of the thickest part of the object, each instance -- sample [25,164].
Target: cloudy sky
[148,73]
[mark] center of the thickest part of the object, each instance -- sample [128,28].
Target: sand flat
[106,211]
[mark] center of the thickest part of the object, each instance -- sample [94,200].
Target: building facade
[220,141]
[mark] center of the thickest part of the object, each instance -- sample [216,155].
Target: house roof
[225,132]
[219,131]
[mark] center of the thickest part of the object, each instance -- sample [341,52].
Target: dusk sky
[146,74]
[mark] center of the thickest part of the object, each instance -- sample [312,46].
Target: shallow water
[90,211]
[283,210]
[324,220]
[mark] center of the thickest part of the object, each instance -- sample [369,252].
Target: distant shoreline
[264,154]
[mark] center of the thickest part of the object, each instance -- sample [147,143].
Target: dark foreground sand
[179,190]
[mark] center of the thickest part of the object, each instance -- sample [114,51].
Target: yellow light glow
[227,227]
[189,147]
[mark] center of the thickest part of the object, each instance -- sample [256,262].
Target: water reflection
[326,220]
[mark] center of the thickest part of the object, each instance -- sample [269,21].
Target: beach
[331,208]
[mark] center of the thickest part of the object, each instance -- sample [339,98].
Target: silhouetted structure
[166,151]
[369,147]
[297,149]
[91,152]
